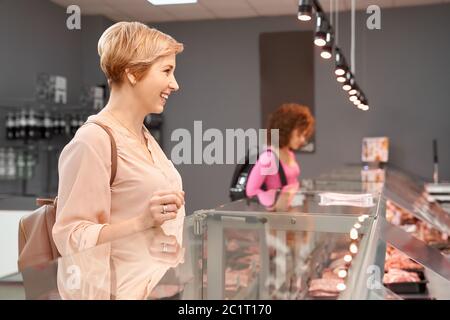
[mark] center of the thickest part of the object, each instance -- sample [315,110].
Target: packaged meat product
[338,254]
[237,278]
[337,263]
[330,274]
[396,259]
[232,245]
[319,293]
[328,285]
[415,284]
[397,275]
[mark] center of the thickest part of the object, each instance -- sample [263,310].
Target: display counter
[328,239]
[407,209]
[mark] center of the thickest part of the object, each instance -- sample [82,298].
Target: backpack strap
[281,172]
[53,201]
[113,149]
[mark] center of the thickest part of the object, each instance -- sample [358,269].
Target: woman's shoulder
[90,138]
[267,157]
[91,134]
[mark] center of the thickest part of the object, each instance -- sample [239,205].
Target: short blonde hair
[135,46]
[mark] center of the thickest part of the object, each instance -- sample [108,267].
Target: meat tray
[409,287]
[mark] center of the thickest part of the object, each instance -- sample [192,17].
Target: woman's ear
[130,77]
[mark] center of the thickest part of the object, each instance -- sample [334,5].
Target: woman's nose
[174,85]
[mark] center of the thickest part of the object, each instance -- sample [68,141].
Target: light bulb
[353,234]
[353,248]
[353,91]
[303,17]
[304,10]
[342,273]
[341,286]
[320,42]
[325,54]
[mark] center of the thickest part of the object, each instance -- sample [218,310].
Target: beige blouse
[86,201]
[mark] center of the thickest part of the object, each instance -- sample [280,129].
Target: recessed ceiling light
[165,2]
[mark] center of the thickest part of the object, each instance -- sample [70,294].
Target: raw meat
[396,259]
[328,285]
[397,275]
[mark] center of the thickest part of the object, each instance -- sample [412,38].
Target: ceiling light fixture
[343,78]
[327,50]
[321,30]
[166,2]
[353,90]
[341,64]
[349,82]
[304,10]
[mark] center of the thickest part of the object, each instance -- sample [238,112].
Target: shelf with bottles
[43,123]
[17,163]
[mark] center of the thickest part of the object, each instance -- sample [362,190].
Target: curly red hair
[287,118]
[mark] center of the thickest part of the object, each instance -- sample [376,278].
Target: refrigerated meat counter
[320,241]
[407,208]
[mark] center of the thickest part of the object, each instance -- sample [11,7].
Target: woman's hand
[164,248]
[164,205]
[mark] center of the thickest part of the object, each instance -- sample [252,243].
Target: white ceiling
[142,10]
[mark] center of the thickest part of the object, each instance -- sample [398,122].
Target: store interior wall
[40,42]
[403,69]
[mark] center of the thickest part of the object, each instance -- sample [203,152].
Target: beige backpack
[36,245]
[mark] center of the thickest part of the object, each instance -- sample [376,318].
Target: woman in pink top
[139,63]
[295,124]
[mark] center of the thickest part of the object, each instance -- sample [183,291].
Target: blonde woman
[139,63]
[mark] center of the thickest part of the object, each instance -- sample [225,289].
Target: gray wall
[34,38]
[403,68]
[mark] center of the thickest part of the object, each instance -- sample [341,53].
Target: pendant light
[349,82]
[341,64]
[321,30]
[327,50]
[304,10]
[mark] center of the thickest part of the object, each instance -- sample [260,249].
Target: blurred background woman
[296,125]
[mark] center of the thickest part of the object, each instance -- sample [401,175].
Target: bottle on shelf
[32,128]
[2,164]
[39,125]
[47,129]
[20,165]
[10,126]
[22,125]
[30,163]
[73,124]
[80,121]
[63,126]
[11,172]
[56,125]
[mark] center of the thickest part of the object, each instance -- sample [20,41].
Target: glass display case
[325,240]
[407,209]
[314,245]
[160,263]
